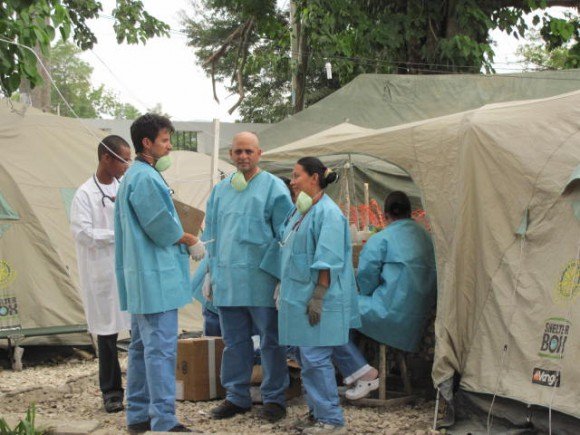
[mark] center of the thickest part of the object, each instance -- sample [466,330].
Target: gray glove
[197,251]
[314,307]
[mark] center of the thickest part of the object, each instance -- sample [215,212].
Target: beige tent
[44,159]
[499,184]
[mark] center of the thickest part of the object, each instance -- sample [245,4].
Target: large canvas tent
[374,101]
[501,188]
[45,158]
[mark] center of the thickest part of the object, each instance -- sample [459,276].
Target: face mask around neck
[163,163]
[303,202]
[239,181]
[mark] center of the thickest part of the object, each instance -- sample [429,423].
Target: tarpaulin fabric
[507,310]
[47,158]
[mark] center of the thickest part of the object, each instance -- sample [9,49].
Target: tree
[72,76]
[35,23]
[560,53]
[248,42]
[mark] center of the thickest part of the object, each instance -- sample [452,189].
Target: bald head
[246,138]
[245,152]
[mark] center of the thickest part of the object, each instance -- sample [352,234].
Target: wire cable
[47,72]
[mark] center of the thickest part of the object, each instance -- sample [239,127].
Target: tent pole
[351,171]
[215,153]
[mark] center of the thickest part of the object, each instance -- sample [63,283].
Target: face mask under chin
[303,202]
[163,163]
[239,181]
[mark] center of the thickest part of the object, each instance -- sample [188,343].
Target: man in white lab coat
[92,225]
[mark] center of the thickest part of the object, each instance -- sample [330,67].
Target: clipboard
[191,218]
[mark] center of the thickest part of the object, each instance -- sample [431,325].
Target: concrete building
[189,135]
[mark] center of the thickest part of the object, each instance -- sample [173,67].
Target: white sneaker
[323,428]
[362,389]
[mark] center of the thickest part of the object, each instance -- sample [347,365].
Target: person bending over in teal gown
[397,283]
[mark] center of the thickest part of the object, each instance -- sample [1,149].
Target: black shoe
[227,409]
[114,404]
[137,428]
[179,428]
[272,412]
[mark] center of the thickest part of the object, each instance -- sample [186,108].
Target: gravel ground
[68,388]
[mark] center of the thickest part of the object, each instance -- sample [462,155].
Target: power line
[131,94]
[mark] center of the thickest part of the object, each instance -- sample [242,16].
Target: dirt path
[69,390]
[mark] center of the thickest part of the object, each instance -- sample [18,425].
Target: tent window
[67,194]
[7,212]
[572,190]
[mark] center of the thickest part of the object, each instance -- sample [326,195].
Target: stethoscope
[142,160]
[103,194]
[297,224]
[294,228]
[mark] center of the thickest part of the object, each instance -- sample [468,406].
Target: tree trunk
[300,60]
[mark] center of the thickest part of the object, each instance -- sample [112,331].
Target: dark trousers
[109,368]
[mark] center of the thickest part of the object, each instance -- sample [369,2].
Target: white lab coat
[92,226]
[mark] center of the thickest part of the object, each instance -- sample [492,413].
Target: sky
[164,71]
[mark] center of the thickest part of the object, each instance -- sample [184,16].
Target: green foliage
[357,36]
[37,23]
[24,427]
[549,54]
[72,76]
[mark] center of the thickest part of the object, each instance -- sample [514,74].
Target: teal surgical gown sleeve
[370,265]
[153,207]
[396,310]
[197,283]
[280,204]
[152,269]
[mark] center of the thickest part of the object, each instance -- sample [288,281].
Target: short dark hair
[148,126]
[313,165]
[111,143]
[398,205]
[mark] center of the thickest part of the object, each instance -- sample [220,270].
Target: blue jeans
[320,383]
[151,370]
[350,361]
[347,358]
[238,325]
[211,323]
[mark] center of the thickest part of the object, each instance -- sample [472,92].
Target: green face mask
[303,202]
[163,163]
[239,181]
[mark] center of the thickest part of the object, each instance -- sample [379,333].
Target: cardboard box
[198,369]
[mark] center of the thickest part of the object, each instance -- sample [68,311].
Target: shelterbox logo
[549,378]
[554,337]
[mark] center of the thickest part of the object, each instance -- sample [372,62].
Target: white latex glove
[277,295]
[197,251]
[206,290]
